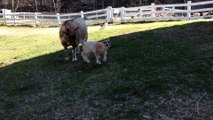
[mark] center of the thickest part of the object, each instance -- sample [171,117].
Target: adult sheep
[73,32]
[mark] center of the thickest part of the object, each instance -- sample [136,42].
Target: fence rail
[151,12]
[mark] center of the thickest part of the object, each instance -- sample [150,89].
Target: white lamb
[98,48]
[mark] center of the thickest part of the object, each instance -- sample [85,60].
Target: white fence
[168,12]
[152,12]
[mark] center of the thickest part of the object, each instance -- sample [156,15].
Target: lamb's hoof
[99,63]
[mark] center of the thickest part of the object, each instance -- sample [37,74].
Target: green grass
[155,70]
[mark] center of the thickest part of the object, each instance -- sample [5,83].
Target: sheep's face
[70,32]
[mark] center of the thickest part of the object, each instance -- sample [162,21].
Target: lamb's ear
[108,42]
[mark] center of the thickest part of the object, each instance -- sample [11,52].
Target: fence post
[153,11]
[58,19]
[24,16]
[82,14]
[122,11]
[4,17]
[96,16]
[14,18]
[109,14]
[141,12]
[36,17]
[189,10]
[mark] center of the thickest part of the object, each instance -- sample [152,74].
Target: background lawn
[159,70]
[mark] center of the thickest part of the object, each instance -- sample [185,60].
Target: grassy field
[155,71]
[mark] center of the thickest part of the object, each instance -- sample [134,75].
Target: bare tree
[102,4]
[57,5]
[32,4]
[113,3]
[15,5]
[4,3]
[36,5]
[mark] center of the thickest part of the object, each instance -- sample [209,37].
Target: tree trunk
[140,2]
[57,5]
[36,6]
[16,6]
[102,4]
[113,3]
[13,6]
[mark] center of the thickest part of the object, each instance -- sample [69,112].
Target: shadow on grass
[142,66]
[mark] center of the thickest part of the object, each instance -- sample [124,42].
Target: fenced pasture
[183,11]
[157,70]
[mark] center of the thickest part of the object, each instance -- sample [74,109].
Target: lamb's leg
[85,57]
[66,53]
[97,56]
[105,56]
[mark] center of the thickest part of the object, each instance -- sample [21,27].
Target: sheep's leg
[97,56]
[105,56]
[74,56]
[78,49]
[85,57]
[66,53]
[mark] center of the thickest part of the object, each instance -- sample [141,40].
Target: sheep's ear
[65,33]
[73,32]
[76,29]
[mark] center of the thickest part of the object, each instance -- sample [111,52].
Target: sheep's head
[70,32]
[70,36]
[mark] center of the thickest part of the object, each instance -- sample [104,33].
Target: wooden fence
[151,12]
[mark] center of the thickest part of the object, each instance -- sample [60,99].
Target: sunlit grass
[20,43]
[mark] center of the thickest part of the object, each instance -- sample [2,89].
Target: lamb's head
[107,43]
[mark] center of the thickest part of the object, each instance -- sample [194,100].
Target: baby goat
[97,48]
